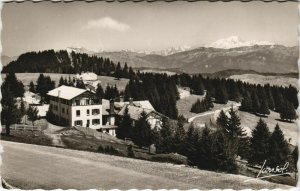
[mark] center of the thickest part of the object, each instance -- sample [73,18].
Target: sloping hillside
[62,168]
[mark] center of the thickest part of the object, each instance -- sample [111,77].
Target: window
[78,123]
[87,102]
[95,111]
[77,102]
[63,110]
[67,111]
[77,113]
[87,112]
[96,121]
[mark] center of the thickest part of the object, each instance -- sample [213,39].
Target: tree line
[203,105]
[212,148]
[50,61]
[257,99]
[159,89]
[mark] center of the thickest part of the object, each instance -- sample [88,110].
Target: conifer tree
[179,138]
[255,102]
[278,148]
[31,87]
[99,91]
[22,108]
[166,143]
[221,95]
[191,144]
[16,87]
[10,113]
[142,131]
[61,81]
[246,104]
[259,143]
[288,112]
[234,124]
[208,100]
[222,121]
[125,126]
[264,108]
[222,155]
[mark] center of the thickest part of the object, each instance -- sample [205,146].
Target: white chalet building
[72,106]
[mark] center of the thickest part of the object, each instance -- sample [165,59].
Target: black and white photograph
[149,95]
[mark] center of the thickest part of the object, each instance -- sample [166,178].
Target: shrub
[170,158]
[130,151]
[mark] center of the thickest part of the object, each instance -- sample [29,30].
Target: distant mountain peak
[172,50]
[79,49]
[235,41]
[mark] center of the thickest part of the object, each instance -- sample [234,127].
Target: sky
[142,26]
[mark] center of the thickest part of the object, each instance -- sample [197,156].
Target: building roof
[143,104]
[134,111]
[87,76]
[66,92]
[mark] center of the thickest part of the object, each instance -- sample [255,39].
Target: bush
[170,158]
[108,150]
[130,151]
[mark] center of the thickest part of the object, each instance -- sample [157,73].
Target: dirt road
[32,166]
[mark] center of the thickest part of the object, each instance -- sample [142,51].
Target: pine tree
[118,72]
[16,87]
[255,102]
[278,148]
[221,95]
[191,144]
[264,108]
[179,138]
[10,113]
[22,108]
[142,131]
[99,91]
[259,143]
[32,113]
[165,144]
[32,87]
[222,121]
[288,112]
[125,126]
[234,125]
[61,81]
[246,104]
[208,100]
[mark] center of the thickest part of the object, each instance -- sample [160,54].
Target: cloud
[107,23]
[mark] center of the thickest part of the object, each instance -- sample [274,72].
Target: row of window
[94,122]
[86,102]
[94,112]
[55,107]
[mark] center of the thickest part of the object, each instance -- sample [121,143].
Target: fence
[26,127]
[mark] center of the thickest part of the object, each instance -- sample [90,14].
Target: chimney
[130,101]
[111,106]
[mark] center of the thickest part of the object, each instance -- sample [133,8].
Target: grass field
[64,168]
[290,130]
[272,80]
[26,78]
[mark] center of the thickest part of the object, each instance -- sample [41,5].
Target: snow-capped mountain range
[226,43]
[164,52]
[235,42]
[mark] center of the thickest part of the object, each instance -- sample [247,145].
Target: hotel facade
[72,106]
